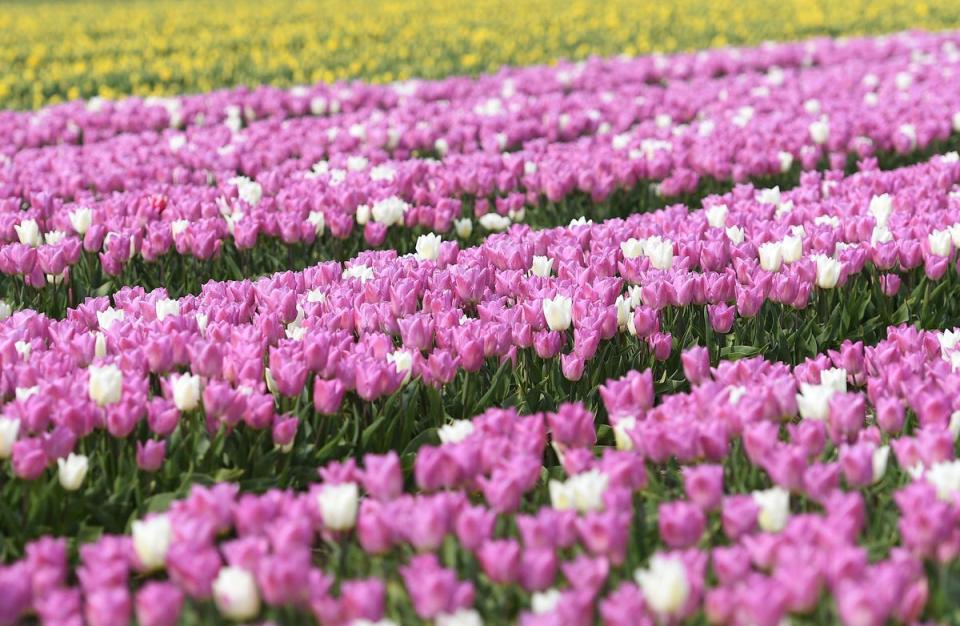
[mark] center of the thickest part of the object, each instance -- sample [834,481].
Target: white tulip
[771,256]
[389,211]
[428,247]
[235,594]
[581,492]
[880,234]
[664,584]
[774,505]
[621,432]
[5,310]
[382,173]
[455,432]
[463,227]
[363,214]
[880,208]
[99,345]
[820,131]
[945,477]
[828,271]
[178,226]
[29,233]
[791,248]
[631,248]
[769,196]
[22,393]
[151,541]
[249,191]
[786,161]
[903,80]
[544,601]
[317,220]
[23,348]
[106,384]
[495,222]
[558,312]
[81,219]
[9,429]
[269,380]
[72,471]
[910,132]
[812,106]
[659,251]
[338,505]
[542,266]
[813,401]
[735,394]
[941,242]
[357,163]
[176,142]
[167,308]
[956,121]
[53,237]
[359,271]
[186,391]
[717,215]
[624,312]
[202,320]
[463,617]
[318,105]
[735,234]
[835,378]
[953,426]
[879,461]
[402,361]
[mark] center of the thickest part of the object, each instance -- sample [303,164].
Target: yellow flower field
[60,50]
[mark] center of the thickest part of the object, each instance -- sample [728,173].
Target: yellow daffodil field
[56,51]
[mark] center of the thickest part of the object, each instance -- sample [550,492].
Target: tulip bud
[150,455]
[167,308]
[558,312]
[774,505]
[463,227]
[428,247]
[542,266]
[151,541]
[186,391]
[235,594]
[338,505]
[28,232]
[317,220]
[820,131]
[80,219]
[106,384]
[828,271]
[664,584]
[72,471]
[9,428]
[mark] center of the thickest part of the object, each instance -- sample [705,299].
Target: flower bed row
[260,381]
[185,203]
[826,493]
[153,49]
[96,120]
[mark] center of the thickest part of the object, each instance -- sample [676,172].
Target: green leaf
[160,502]
[228,474]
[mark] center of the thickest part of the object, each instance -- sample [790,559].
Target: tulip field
[442,314]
